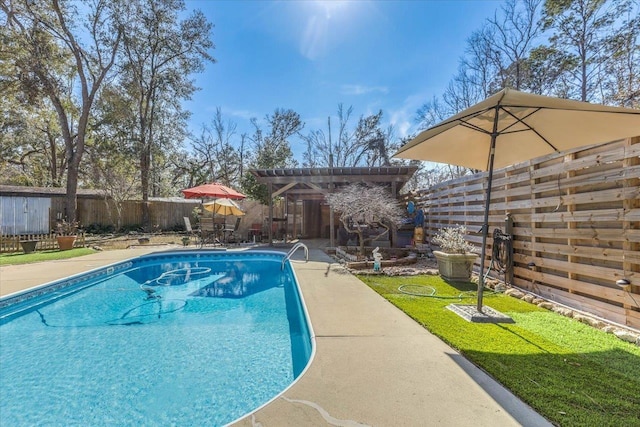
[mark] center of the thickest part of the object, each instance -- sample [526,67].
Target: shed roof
[25,191]
[314,183]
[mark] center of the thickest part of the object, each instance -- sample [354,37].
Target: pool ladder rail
[292,250]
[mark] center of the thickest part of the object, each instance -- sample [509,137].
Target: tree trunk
[361,237]
[145,161]
[71,202]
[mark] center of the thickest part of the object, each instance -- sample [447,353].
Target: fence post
[630,269]
[508,229]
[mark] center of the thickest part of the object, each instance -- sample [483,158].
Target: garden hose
[501,253]
[431,292]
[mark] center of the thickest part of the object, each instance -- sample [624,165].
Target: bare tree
[365,145]
[227,158]
[363,205]
[479,71]
[329,148]
[117,182]
[431,113]
[216,151]
[514,32]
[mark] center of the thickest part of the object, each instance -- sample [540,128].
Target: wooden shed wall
[576,217]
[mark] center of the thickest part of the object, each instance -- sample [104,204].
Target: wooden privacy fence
[576,224]
[165,215]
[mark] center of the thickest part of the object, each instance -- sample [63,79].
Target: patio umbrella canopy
[511,127]
[214,190]
[223,207]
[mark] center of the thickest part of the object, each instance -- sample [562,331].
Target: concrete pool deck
[373,365]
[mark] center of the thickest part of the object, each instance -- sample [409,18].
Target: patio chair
[189,229]
[187,226]
[232,231]
[210,232]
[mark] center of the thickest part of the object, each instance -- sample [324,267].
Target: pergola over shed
[312,184]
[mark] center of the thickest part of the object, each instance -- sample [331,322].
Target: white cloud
[362,89]
[402,118]
[243,114]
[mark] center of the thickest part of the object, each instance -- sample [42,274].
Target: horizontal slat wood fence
[576,218]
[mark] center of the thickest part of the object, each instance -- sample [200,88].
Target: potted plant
[455,257]
[28,246]
[66,234]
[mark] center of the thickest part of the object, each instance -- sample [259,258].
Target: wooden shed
[304,190]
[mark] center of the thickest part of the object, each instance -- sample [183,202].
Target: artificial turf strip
[20,258]
[572,374]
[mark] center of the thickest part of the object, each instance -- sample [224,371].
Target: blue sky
[312,55]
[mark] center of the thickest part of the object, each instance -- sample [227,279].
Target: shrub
[451,240]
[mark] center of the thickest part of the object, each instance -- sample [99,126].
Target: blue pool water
[182,338]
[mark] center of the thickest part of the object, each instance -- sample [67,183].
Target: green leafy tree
[31,146]
[187,171]
[58,48]
[581,30]
[23,125]
[623,66]
[548,71]
[111,158]
[161,52]
[271,150]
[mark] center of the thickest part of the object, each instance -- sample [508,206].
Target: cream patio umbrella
[223,207]
[511,127]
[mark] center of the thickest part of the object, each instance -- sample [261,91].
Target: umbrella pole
[485,224]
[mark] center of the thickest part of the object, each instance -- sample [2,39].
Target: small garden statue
[377,257]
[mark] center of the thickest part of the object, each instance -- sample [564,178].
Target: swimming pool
[173,338]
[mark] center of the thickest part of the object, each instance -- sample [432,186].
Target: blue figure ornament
[418,221]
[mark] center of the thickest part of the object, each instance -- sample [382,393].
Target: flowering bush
[64,228]
[451,240]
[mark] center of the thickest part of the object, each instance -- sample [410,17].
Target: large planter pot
[28,246]
[66,242]
[455,267]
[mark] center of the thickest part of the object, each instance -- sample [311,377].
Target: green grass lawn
[21,258]
[571,373]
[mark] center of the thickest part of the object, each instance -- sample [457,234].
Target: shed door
[24,215]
